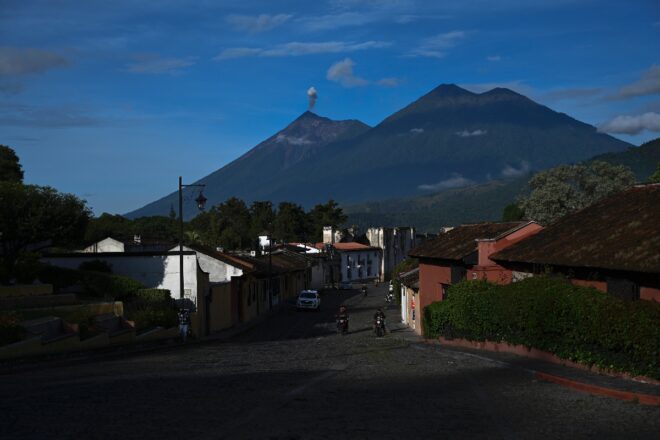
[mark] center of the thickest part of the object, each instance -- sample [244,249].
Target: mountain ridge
[446,138]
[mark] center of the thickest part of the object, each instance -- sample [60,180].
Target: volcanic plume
[311,94]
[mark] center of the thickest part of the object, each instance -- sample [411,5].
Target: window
[444,288]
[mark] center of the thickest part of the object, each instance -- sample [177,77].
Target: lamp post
[201,202]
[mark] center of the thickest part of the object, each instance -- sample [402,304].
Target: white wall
[218,271]
[154,271]
[106,245]
[350,259]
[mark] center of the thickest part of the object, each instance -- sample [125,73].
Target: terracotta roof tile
[621,232]
[461,241]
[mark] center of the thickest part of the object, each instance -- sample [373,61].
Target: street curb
[540,355]
[629,396]
[644,399]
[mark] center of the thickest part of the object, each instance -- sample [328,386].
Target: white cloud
[10,87]
[153,64]
[238,52]
[388,82]
[62,116]
[494,58]
[466,133]
[649,84]
[342,72]
[296,48]
[455,181]
[509,171]
[257,23]
[437,46]
[417,130]
[292,140]
[336,21]
[632,124]
[19,61]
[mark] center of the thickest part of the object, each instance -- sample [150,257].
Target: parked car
[345,285]
[309,299]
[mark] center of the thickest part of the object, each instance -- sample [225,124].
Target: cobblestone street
[293,377]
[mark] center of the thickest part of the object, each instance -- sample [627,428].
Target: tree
[512,212]
[156,227]
[108,225]
[262,217]
[328,214]
[290,223]
[655,177]
[567,188]
[31,214]
[10,169]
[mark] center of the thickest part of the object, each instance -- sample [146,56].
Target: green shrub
[151,308]
[10,328]
[576,323]
[101,285]
[96,284]
[96,266]
[59,277]
[149,318]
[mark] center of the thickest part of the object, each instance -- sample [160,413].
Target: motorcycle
[342,324]
[389,297]
[379,326]
[364,291]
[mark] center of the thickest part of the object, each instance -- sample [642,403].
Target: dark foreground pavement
[293,377]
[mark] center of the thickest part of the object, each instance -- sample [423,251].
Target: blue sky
[112,101]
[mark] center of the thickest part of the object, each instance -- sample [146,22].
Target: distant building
[356,262]
[395,244]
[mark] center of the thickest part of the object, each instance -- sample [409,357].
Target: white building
[395,244]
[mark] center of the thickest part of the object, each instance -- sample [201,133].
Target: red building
[464,253]
[612,245]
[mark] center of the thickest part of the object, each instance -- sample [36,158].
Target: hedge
[10,328]
[576,323]
[151,308]
[95,284]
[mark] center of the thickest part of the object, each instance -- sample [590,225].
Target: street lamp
[201,202]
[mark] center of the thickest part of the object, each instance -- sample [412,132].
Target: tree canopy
[30,214]
[655,177]
[567,188]
[10,168]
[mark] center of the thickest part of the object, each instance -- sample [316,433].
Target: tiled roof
[621,232]
[230,259]
[350,246]
[410,277]
[461,241]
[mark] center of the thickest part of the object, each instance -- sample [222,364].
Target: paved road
[294,378]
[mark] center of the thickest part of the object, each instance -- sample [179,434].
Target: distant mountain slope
[452,207]
[482,202]
[642,160]
[446,139]
[249,176]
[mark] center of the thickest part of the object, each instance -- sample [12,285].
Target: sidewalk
[109,353]
[580,380]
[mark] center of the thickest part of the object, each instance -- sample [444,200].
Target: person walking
[184,324]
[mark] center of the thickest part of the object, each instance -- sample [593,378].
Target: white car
[309,299]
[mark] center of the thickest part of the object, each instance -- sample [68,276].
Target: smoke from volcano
[311,94]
